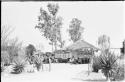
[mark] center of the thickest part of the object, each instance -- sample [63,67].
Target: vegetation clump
[18,66]
[107,63]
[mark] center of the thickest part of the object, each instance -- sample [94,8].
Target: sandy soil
[58,73]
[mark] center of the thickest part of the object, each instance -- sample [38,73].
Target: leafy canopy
[75,29]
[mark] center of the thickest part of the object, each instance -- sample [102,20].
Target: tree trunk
[49,64]
[42,66]
[108,79]
[52,46]
[55,45]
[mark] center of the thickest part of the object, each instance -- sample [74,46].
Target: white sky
[97,18]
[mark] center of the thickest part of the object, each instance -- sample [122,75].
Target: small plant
[38,62]
[30,59]
[95,64]
[18,67]
[38,66]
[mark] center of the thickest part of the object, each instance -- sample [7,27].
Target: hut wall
[63,55]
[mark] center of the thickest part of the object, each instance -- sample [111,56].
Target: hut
[62,56]
[81,51]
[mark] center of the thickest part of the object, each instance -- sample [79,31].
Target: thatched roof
[61,51]
[81,44]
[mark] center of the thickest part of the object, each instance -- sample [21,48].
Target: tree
[9,45]
[104,42]
[50,25]
[75,29]
[5,58]
[6,31]
[13,48]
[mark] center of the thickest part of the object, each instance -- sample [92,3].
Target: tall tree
[104,42]
[49,24]
[75,29]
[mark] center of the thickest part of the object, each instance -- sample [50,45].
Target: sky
[97,18]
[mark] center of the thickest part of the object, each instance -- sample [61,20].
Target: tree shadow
[90,80]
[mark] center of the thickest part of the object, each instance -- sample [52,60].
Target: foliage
[18,68]
[118,74]
[6,31]
[30,49]
[53,8]
[5,58]
[14,46]
[107,62]
[49,24]
[75,29]
[19,65]
[30,58]
[29,53]
[38,61]
[95,65]
[9,46]
[104,42]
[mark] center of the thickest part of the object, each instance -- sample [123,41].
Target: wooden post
[42,62]
[49,64]
[88,67]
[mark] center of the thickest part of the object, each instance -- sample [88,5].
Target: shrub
[108,64]
[38,66]
[5,58]
[18,67]
[30,59]
[95,64]
[118,74]
[29,53]
[38,61]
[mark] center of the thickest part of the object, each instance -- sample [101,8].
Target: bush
[18,68]
[38,66]
[19,65]
[108,64]
[118,74]
[95,65]
[29,53]
[38,61]
[5,58]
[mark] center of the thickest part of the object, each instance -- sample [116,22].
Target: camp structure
[62,56]
[81,51]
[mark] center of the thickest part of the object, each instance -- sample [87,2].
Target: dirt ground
[59,73]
